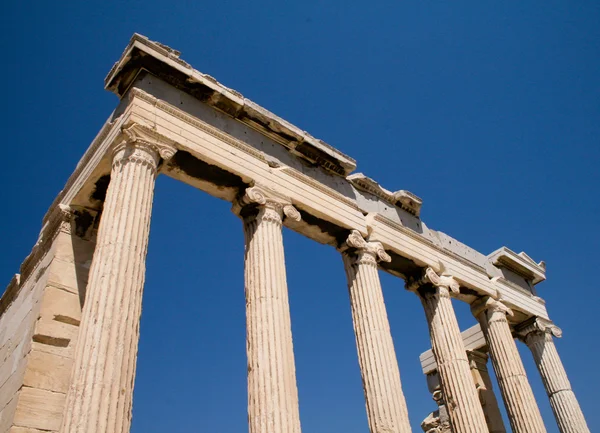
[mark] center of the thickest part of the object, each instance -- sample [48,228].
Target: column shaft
[487,397]
[100,396]
[464,409]
[565,406]
[385,402]
[272,390]
[523,412]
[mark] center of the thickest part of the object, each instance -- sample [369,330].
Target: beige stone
[39,409]
[462,402]
[274,172]
[61,305]
[522,409]
[7,413]
[272,390]
[48,372]
[385,402]
[437,421]
[68,276]
[26,430]
[538,335]
[487,397]
[12,383]
[101,392]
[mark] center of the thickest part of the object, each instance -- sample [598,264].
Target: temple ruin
[69,320]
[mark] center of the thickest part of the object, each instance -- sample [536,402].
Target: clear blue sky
[489,111]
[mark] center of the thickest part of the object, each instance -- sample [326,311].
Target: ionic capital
[445,284]
[264,202]
[143,144]
[368,252]
[537,327]
[487,303]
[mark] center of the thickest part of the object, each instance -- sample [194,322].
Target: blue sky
[489,111]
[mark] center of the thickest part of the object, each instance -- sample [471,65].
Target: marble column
[538,335]
[272,389]
[483,384]
[522,409]
[100,396]
[385,402]
[464,409]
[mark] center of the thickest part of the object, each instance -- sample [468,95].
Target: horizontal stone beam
[221,150]
[473,339]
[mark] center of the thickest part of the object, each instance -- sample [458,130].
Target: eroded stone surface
[462,402]
[227,145]
[539,335]
[101,392]
[272,390]
[523,412]
[386,405]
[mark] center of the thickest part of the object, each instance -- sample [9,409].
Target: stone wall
[39,322]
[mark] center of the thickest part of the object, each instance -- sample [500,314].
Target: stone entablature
[141,54]
[221,153]
[73,366]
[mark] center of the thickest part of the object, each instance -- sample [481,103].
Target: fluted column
[272,390]
[538,335]
[385,402]
[464,409]
[483,384]
[100,396]
[523,412]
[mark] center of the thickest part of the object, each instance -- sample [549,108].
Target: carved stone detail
[489,403]
[385,402]
[538,335]
[267,202]
[101,392]
[464,409]
[144,136]
[535,325]
[444,283]
[438,420]
[371,252]
[523,412]
[490,304]
[272,389]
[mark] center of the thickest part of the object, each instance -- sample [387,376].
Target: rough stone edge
[298,141]
[404,199]
[10,293]
[520,263]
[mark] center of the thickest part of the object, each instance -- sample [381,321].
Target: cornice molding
[403,199]
[225,99]
[193,121]
[520,263]
[238,144]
